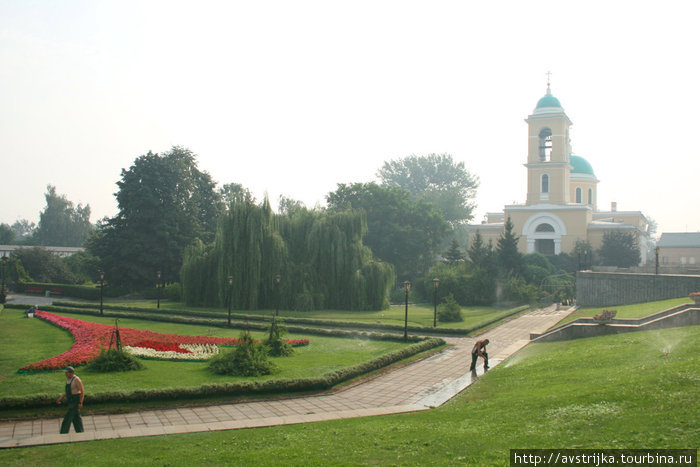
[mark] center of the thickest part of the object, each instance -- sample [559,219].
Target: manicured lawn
[637,310]
[24,341]
[618,391]
[418,315]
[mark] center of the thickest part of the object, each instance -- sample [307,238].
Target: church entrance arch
[543,232]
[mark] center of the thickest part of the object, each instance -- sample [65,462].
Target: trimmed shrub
[449,311]
[247,359]
[276,346]
[114,360]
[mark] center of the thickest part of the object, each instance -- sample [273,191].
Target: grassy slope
[606,392]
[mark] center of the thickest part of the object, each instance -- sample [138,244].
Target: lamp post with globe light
[436,284]
[407,287]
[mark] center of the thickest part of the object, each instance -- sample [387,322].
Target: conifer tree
[509,257]
[453,254]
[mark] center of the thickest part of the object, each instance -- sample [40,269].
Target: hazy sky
[293,97]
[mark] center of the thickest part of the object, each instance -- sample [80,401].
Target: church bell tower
[549,150]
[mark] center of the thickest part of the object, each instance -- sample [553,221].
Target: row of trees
[319,254]
[174,223]
[60,224]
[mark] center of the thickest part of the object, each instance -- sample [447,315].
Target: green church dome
[548,101]
[580,165]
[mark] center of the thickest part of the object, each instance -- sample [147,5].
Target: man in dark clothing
[75,393]
[479,349]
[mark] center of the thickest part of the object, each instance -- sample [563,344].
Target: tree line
[174,225]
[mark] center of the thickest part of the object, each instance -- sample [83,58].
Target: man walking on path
[75,392]
[479,349]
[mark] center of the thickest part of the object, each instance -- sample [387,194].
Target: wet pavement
[419,386]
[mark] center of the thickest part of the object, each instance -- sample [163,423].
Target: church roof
[679,240]
[580,165]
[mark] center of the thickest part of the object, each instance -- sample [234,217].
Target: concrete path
[418,386]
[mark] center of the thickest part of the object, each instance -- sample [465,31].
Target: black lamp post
[158,288]
[3,295]
[656,254]
[407,287]
[102,287]
[436,283]
[278,279]
[230,298]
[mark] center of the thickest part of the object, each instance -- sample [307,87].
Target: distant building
[561,206]
[61,251]
[679,249]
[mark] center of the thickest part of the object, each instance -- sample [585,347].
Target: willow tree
[319,255]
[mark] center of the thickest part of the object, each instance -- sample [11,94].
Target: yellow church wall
[585,185]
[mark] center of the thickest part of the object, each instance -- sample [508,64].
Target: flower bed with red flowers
[91,337]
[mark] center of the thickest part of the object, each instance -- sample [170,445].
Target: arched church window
[544,228]
[545,183]
[545,139]
[590,196]
[579,195]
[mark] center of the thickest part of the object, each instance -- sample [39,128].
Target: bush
[114,360]
[515,289]
[449,311]
[304,302]
[247,359]
[276,346]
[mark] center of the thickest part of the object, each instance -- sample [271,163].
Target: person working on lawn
[75,392]
[478,350]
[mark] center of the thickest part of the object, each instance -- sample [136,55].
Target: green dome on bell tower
[548,100]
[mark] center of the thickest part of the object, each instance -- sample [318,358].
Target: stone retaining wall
[685,315]
[612,289]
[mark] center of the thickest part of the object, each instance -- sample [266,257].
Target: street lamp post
[436,283]
[102,287]
[407,287]
[278,279]
[158,288]
[3,295]
[656,255]
[230,298]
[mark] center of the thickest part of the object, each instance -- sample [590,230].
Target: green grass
[24,341]
[618,391]
[418,315]
[637,310]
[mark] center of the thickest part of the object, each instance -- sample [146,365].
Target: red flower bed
[91,337]
[297,342]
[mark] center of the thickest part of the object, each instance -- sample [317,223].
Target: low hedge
[288,320]
[86,292]
[323,382]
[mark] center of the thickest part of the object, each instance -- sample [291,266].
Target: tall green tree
[7,236]
[319,255]
[620,249]
[165,203]
[509,258]
[454,253]
[61,223]
[24,231]
[403,231]
[44,266]
[435,178]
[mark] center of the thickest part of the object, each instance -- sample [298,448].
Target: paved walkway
[418,386]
